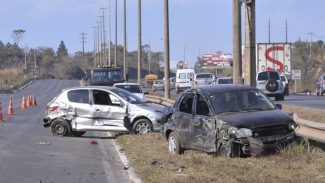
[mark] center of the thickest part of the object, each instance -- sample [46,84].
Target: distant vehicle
[158,85]
[320,85]
[285,83]
[134,88]
[104,76]
[270,83]
[202,79]
[273,57]
[99,108]
[223,80]
[230,120]
[184,79]
[172,82]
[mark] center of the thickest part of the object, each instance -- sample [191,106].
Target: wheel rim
[59,129]
[172,145]
[143,128]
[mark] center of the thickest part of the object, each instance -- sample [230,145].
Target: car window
[274,75]
[128,96]
[130,88]
[78,96]
[182,76]
[204,76]
[240,101]
[101,97]
[186,103]
[202,106]
[225,81]
[262,76]
[190,75]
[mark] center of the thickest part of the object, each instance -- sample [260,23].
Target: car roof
[89,87]
[127,84]
[210,89]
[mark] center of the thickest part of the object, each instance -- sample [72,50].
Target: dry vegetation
[12,76]
[152,162]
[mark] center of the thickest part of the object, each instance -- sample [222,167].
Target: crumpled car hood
[257,119]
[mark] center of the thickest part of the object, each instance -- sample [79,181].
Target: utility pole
[149,57]
[104,39]
[286,31]
[109,33]
[311,40]
[35,64]
[101,41]
[269,30]
[83,38]
[98,44]
[250,55]
[95,46]
[139,41]
[166,48]
[124,50]
[25,66]
[115,51]
[237,52]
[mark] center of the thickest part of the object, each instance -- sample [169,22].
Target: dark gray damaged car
[230,120]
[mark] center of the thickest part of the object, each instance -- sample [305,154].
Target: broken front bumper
[265,145]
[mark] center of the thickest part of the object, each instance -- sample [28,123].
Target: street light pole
[115,51]
[139,41]
[109,33]
[124,50]
[166,48]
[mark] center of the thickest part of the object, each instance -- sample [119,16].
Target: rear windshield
[268,75]
[204,76]
[130,88]
[225,81]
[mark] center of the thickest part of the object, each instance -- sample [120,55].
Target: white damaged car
[98,108]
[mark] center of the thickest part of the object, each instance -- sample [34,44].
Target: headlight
[232,130]
[292,126]
[243,132]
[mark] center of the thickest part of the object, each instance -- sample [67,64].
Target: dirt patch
[150,158]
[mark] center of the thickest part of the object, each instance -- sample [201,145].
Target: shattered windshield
[240,101]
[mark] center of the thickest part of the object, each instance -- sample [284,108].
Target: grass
[152,162]
[150,158]
[12,76]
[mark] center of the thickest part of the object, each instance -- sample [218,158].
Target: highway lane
[29,152]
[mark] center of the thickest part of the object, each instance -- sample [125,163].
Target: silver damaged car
[98,108]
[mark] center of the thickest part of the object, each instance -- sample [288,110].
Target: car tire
[272,85]
[142,126]
[78,133]
[225,150]
[174,145]
[60,127]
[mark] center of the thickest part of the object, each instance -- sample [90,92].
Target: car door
[183,117]
[79,105]
[108,109]
[203,128]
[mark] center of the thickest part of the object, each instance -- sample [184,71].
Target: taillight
[51,109]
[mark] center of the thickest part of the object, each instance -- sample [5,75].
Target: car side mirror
[278,106]
[121,104]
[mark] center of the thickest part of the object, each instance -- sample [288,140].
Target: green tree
[62,51]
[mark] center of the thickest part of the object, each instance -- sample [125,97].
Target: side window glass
[101,98]
[79,96]
[201,106]
[186,104]
[114,99]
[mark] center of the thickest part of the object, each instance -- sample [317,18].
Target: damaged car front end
[230,120]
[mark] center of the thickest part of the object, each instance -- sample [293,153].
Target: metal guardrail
[308,129]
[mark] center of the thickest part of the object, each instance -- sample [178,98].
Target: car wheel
[142,126]
[225,149]
[272,85]
[60,127]
[174,145]
[78,133]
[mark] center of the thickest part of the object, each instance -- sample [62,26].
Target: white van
[184,79]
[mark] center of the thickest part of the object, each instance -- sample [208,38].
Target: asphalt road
[29,153]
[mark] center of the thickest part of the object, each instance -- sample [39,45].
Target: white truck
[273,56]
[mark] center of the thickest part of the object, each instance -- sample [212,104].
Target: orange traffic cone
[28,101]
[10,108]
[34,102]
[1,116]
[23,104]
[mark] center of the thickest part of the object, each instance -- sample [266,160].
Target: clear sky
[199,26]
